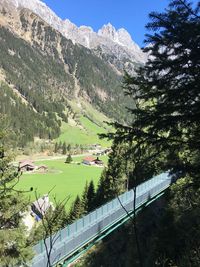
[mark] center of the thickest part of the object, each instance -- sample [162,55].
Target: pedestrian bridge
[72,241]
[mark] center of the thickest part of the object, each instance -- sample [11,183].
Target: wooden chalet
[27,165]
[89,161]
[92,161]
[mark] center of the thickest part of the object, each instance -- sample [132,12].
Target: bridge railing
[78,233]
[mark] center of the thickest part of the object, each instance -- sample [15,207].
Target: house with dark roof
[27,165]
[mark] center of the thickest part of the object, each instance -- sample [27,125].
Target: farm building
[89,161]
[41,206]
[42,168]
[26,165]
[92,161]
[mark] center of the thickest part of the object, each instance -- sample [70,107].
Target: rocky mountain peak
[86,29]
[121,36]
[108,31]
[30,4]
[124,37]
[36,6]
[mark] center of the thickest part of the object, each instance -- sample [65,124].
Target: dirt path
[38,158]
[62,157]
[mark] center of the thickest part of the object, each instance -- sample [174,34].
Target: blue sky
[129,14]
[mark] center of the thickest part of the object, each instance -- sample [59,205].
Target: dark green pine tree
[76,210]
[105,189]
[84,199]
[100,197]
[56,148]
[69,159]
[166,114]
[14,248]
[113,180]
[69,148]
[64,149]
[91,205]
[166,97]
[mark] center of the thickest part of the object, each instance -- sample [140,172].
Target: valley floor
[67,180]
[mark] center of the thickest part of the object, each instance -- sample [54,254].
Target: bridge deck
[76,235]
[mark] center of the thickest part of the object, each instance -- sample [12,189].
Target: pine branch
[189,9]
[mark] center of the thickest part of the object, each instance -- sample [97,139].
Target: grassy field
[86,108]
[85,133]
[85,129]
[68,179]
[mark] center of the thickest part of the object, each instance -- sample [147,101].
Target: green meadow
[84,129]
[67,180]
[86,133]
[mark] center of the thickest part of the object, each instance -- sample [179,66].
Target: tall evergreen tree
[76,210]
[84,198]
[113,180]
[69,148]
[64,149]
[91,205]
[100,198]
[166,96]
[14,248]
[56,148]
[167,89]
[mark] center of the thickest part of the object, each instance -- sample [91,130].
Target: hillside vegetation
[49,72]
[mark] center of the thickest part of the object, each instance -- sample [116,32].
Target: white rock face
[117,43]
[123,39]
[108,31]
[39,8]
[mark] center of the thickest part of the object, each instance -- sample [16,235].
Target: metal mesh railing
[75,235]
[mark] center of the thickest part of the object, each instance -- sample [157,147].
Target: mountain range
[111,41]
[49,64]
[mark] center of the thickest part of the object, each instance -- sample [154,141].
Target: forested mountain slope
[47,71]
